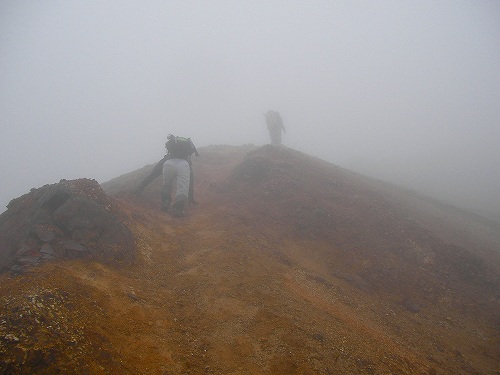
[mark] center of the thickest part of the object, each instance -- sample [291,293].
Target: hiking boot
[178,206]
[176,212]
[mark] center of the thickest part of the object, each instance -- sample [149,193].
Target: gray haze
[405,91]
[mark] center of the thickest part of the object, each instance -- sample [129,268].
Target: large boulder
[70,219]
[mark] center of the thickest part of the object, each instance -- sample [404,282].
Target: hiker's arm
[282,125]
[157,170]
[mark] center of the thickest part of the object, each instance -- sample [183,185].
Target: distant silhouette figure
[275,126]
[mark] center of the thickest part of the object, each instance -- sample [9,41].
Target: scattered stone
[29,260]
[411,306]
[133,297]
[47,252]
[74,249]
[73,245]
[16,269]
[318,337]
[46,249]
[47,257]
[26,248]
[11,337]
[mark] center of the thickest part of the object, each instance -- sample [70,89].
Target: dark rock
[54,197]
[84,235]
[46,249]
[74,250]
[44,234]
[27,247]
[72,245]
[411,306]
[16,269]
[29,260]
[47,257]
[318,337]
[80,213]
[76,217]
[133,297]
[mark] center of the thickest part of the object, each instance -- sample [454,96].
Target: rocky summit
[287,265]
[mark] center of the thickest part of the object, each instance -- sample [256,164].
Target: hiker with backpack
[175,166]
[275,126]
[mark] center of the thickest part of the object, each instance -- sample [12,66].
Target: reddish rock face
[70,219]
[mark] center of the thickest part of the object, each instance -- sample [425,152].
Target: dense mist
[402,91]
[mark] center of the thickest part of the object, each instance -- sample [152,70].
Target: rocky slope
[70,219]
[289,265]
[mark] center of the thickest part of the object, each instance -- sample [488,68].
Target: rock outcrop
[70,219]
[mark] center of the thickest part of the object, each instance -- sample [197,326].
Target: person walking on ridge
[176,166]
[275,126]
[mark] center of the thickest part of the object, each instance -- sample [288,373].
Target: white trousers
[177,169]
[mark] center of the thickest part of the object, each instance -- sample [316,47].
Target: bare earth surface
[288,265]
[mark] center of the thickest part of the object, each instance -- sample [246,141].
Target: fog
[405,91]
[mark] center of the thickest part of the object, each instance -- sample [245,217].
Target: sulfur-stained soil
[288,265]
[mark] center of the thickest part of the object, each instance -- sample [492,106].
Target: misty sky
[406,91]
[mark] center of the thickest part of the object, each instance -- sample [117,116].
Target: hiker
[176,165]
[275,126]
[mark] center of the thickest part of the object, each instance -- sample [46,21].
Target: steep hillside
[288,265]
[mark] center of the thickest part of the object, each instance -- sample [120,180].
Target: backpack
[180,148]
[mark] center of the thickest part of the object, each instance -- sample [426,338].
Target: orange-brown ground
[288,265]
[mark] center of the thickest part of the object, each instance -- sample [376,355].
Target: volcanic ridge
[288,265]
